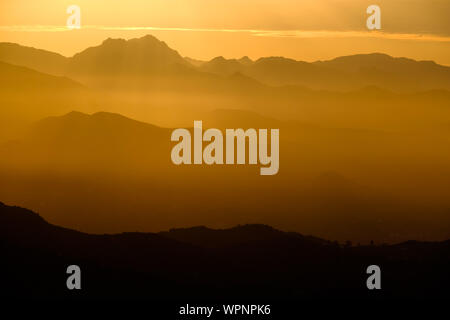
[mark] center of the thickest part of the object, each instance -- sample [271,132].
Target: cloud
[311,34]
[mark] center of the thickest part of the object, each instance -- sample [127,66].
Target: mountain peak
[277,60]
[138,56]
[245,60]
[113,41]
[144,43]
[149,37]
[219,59]
[75,115]
[95,122]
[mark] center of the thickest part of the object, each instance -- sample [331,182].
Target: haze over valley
[85,141]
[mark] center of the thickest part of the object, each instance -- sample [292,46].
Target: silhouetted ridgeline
[252,261]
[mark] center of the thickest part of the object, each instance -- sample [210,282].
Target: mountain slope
[37,59]
[78,140]
[18,78]
[27,95]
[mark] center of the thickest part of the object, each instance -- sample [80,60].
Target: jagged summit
[139,56]
[245,60]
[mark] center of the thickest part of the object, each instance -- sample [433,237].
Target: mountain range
[148,57]
[145,79]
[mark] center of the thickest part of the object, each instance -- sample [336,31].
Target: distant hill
[101,140]
[222,66]
[401,74]
[281,71]
[253,261]
[241,235]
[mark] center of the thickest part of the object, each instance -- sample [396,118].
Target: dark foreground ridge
[245,262]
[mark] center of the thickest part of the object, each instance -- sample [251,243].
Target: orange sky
[301,29]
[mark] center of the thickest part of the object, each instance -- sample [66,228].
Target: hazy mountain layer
[136,60]
[107,173]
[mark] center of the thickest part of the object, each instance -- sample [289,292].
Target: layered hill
[98,141]
[27,95]
[145,79]
[385,150]
[37,59]
[106,173]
